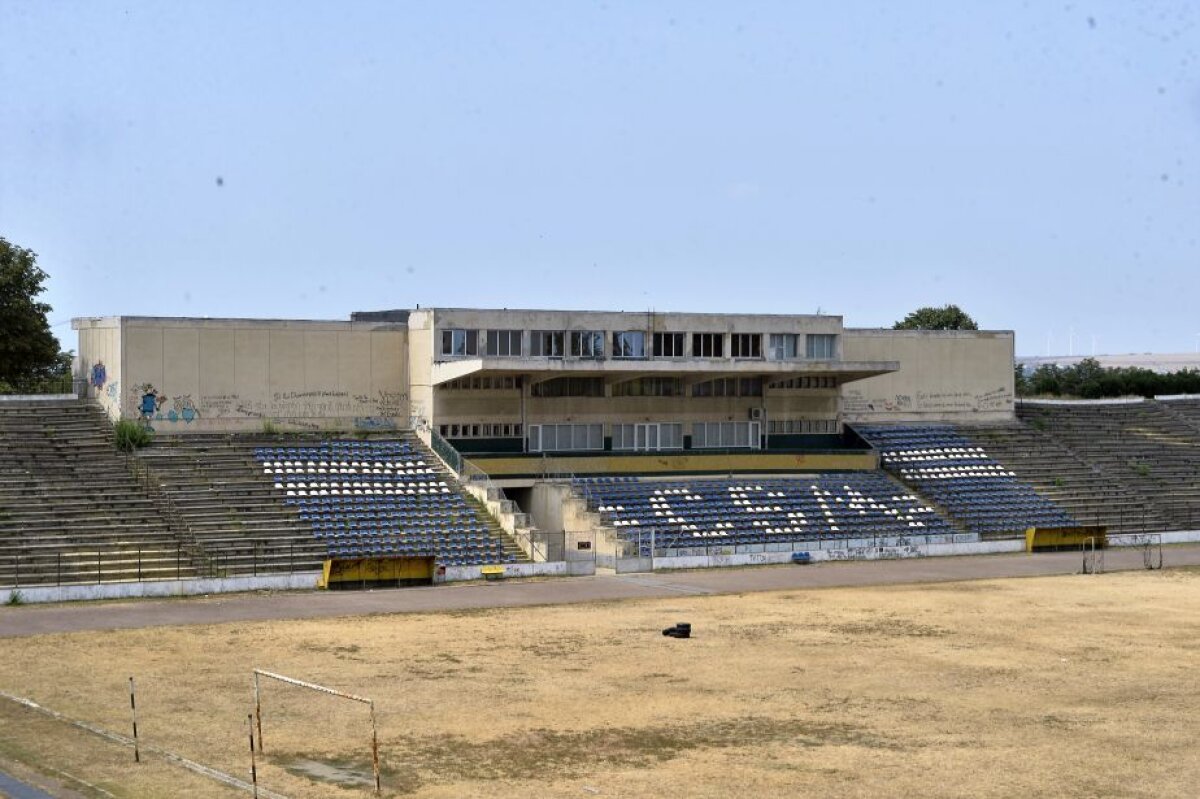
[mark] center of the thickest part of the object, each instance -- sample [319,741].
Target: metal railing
[452,458]
[65,384]
[149,564]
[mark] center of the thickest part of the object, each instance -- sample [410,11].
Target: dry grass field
[1063,686]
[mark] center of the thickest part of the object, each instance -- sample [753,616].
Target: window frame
[507,337]
[830,339]
[592,337]
[538,339]
[700,339]
[618,349]
[675,350]
[737,341]
[469,339]
[778,346]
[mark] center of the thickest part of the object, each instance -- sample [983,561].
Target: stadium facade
[538,381]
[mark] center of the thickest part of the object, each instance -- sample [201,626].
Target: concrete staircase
[72,509]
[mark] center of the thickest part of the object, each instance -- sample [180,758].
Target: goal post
[370,703]
[1152,551]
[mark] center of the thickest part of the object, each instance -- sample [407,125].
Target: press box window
[668,345]
[460,342]
[784,346]
[708,345]
[546,343]
[821,346]
[587,344]
[565,437]
[629,344]
[504,342]
[745,345]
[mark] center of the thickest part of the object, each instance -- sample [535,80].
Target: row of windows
[806,382]
[481,383]
[482,430]
[640,387]
[639,436]
[569,387]
[729,387]
[801,426]
[632,344]
[726,435]
[648,436]
[649,387]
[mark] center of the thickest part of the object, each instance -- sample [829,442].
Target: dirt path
[40,619]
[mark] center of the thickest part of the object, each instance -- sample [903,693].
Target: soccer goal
[1152,553]
[300,714]
[1093,556]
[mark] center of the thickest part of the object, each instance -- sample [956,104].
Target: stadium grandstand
[472,442]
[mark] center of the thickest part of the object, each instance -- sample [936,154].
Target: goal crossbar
[312,686]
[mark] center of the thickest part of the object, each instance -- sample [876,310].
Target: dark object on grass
[681,630]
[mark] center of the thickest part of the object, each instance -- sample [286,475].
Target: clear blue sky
[1037,163]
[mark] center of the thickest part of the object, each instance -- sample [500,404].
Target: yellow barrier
[1052,539]
[348,572]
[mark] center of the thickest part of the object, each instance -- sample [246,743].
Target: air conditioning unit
[758,414]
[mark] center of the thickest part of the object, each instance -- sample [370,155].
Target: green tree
[28,350]
[1020,380]
[948,317]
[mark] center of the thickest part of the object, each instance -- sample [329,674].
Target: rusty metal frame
[370,703]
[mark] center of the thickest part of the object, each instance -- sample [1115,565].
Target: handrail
[446,451]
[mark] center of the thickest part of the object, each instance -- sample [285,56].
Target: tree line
[30,358]
[1088,379]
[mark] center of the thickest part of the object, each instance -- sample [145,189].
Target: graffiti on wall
[374,423]
[378,411]
[183,409]
[99,376]
[857,404]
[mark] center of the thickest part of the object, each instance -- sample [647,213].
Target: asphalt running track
[18,790]
[603,587]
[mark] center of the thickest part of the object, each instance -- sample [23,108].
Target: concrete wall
[232,374]
[420,372]
[100,362]
[298,581]
[947,375]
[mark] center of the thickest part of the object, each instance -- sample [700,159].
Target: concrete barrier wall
[717,560]
[456,574]
[162,588]
[1138,539]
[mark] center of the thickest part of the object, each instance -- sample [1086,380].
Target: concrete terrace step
[64,489]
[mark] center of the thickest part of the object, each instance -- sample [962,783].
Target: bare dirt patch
[1062,686]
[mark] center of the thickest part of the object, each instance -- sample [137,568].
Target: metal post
[375,749]
[139,564]
[292,557]
[178,557]
[253,762]
[258,712]
[98,565]
[137,755]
